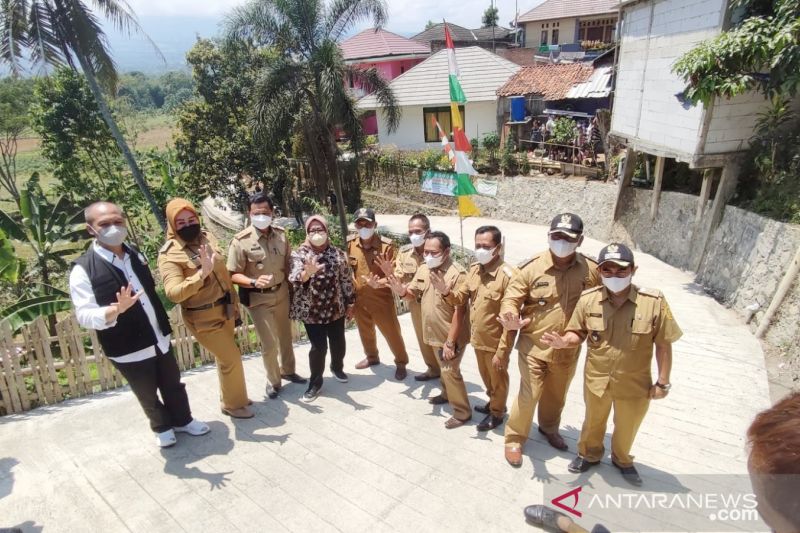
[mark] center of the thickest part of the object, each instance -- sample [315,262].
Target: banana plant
[49,234]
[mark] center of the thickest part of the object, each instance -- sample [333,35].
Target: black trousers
[159,374]
[320,336]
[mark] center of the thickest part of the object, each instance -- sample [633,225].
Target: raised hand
[397,286]
[554,340]
[207,257]
[513,322]
[441,286]
[126,298]
[311,266]
[385,263]
[263,281]
[373,281]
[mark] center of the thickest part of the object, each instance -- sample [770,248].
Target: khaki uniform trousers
[628,416]
[428,353]
[453,387]
[216,334]
[543,383]
[374,311]
[495,381]
[274,329]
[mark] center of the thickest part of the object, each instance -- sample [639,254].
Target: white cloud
[405,16]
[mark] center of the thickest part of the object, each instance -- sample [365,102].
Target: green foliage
[761,53]
[490,17]
[509,162]
[146,92]
[15,100]
[27,310]
[770,182]
[215,140]
[9,263]
[491,142]
[563,130]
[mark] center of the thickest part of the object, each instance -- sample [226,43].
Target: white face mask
[112,235]
[417,239]
[562,248]
[484,256]
[318,239]
[433,261]
[261,221]
[617,285]
[366,233]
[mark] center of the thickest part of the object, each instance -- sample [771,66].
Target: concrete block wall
[733,121]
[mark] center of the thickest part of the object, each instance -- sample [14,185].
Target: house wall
[480,118]
[389,70]
[732,123]
[654,35]
[567,33]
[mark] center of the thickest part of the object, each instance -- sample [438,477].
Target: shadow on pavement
[7,476]
[193,449]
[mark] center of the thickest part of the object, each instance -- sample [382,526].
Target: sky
[405,16]
[174,25]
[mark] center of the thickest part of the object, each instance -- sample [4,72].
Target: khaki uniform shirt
[437,312]
[620,340]
[407,263]
[547,296]
[484,288]
[362,263]
[255,253]
[179,265]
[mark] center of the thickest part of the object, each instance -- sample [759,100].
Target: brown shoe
[366,363]
[424,377]
[454,422]
[241,412]
[437,400]
[400,373]
[514,455]
[555,440]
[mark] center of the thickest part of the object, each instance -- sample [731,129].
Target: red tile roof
[553,82]
[558,9]
[374,43]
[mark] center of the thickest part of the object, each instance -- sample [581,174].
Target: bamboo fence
[37,369]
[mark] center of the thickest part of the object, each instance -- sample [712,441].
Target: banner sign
[443,183]
[486,187]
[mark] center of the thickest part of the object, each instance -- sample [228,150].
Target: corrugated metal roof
[597,86]
[378,42]
[482,73]
[560,9]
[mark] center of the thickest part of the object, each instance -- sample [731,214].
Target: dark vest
[132,331]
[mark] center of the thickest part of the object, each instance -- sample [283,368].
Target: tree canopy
[490,17]
[761,52]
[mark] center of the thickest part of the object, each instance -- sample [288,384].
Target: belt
[268,289]
[207,306]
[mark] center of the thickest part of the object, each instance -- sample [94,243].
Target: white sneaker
[195,427]
[165,439]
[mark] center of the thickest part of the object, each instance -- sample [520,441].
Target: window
[442,116]
[555,36]
[543,40]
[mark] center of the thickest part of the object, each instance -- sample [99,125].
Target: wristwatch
[664,387]
[252,282]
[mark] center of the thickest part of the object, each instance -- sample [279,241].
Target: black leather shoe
[482,408]
[580,465]
[629,474]
[294,378]
[490,422]
[543,516]
[272,391]
[437,400]
[424,377]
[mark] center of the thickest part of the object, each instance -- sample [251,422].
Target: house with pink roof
[391,54]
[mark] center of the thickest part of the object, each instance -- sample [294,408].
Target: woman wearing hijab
[323,297]
[195,276]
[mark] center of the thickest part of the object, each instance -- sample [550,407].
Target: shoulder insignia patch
[386,240]
[654,293]
[352,237]
[166,246]
[278,228]
[508,270]
[242,234]
[593,289]
[406,247]
[526,262]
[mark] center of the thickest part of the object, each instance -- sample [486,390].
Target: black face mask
[189,233]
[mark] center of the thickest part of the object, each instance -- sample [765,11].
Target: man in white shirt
[113,293]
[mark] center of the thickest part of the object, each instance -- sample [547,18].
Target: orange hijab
[175,206]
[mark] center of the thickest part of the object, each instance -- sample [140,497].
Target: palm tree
[68,32]
[303,90]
